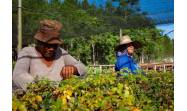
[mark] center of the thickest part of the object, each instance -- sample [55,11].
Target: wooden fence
[161,67]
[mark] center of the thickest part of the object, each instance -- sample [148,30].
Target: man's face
[130,49]
[48,50]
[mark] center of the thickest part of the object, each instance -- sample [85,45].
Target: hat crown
[50,25]
[125,40]
[49,31]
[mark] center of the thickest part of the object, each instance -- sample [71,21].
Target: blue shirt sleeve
[122,62]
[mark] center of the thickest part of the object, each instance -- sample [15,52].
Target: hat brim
[136,45]
[55,41]
[41,37]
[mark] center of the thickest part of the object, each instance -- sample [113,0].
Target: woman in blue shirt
[125,52]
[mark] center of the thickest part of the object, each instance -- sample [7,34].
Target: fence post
[100,67]
[155,67]
[164,68]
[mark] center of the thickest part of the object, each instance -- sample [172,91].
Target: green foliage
[103,44]
[78,19]
[155,46]
[90,32]
[101,92]
[17,105]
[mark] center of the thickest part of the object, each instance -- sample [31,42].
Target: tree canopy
[90,31]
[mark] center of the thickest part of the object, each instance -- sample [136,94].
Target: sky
[158,9]
[167,28]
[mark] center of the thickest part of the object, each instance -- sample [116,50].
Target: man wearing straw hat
[125,51]
[46,59]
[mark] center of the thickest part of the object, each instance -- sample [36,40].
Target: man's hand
[68,71]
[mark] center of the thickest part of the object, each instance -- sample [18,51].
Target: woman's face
[130,49]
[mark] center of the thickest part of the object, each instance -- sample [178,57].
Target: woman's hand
[68,71]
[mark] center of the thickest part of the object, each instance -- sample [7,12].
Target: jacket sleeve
[122,62]
[21,75]
[69,60]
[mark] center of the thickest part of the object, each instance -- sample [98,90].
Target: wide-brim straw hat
[49,32]
[125,40]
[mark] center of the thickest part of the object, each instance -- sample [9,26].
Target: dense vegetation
[100,92]
[100,49]
[91,32]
